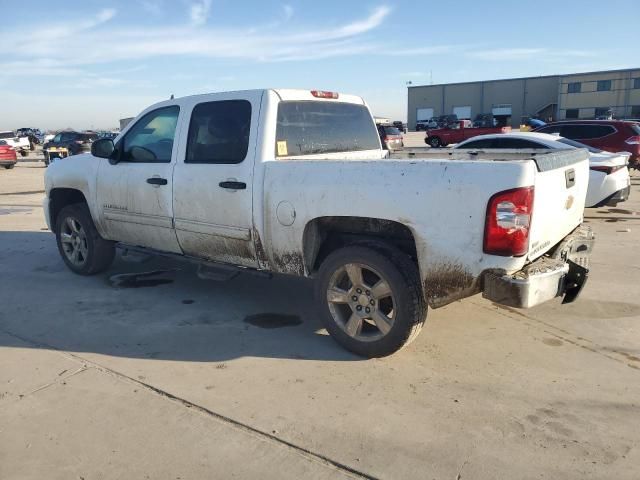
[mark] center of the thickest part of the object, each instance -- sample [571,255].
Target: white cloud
[372,21]
[88,44]
[199,12]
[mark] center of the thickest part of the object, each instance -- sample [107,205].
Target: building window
[636,83]
[602,112]
[635,111]
[604,85]
[574,87]
[572,113]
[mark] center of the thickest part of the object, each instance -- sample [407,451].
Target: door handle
[233,185]
[570,178]
[157,181]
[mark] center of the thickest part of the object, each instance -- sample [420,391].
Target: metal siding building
[546,96]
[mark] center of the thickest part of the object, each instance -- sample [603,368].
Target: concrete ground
[178,380]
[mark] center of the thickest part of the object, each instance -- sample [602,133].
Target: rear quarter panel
[443,203]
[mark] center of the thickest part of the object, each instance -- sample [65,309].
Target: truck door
[213,180]
[134,195]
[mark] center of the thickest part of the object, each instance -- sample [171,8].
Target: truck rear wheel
[370,299]
[82,248]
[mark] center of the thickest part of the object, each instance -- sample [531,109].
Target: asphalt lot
[178,380]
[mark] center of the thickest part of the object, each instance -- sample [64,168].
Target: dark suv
[65,144]
[610,135]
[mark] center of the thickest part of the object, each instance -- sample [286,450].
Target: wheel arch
[323,235]
[60,198]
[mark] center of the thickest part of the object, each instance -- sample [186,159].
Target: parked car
[35,136]
[441,137]
[436,122]
[65,144]
[609,135]
[400,126]
[308,191]
[105,134]
[390,137]
[484,120]
[8,157]
[424,125]
[609,182]
[20,144]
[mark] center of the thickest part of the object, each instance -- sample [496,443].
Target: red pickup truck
[441,137]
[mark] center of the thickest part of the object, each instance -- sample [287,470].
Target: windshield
[310,127]
[6,135]
[575,144]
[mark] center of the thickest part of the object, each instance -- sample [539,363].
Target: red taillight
[635,140]
[323,94]
[506,230]
[607,170]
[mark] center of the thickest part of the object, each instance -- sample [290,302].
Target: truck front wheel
[82,248]
[435,142]
[370,299]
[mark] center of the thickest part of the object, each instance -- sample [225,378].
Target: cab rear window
[312,128]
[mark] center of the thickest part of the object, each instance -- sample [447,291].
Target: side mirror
[102,148]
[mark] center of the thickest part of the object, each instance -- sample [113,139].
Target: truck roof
[289,94]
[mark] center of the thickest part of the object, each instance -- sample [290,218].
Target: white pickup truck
[296,182]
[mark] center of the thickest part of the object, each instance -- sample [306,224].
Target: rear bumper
[619,196]
[563,274]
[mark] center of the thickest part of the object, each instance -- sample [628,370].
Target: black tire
[100,252]
[9,167]
[401,274]
[435,142]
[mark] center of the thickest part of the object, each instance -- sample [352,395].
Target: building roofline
[526,78]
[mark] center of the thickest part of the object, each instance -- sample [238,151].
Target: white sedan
[609,182]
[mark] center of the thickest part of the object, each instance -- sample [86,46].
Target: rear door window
[586,131]
[311,128]
[551,129]
[482,143]
[515,143]
[219,132]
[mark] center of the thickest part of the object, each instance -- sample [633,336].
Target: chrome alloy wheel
[361,302]
[74,241]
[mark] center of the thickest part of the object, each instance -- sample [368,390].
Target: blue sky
[85,64]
